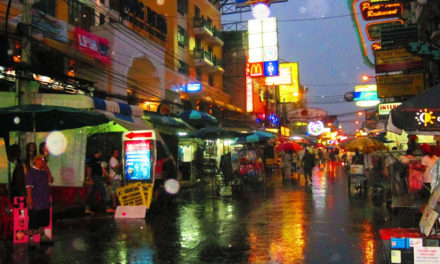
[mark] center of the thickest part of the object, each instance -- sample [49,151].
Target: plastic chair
[6,217]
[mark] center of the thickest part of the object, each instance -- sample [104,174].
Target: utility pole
[23,91]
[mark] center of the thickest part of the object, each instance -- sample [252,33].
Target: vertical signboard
[139,155]
[249,90]
[263,45]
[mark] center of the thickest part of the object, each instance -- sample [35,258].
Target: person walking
[115,175]
[287,164]
[94,175]
[38,196]
[18,183]
[308,163]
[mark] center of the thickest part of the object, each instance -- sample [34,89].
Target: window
[198,44]
[182,67]
[81,15]
[182,37]
[199,74]
[211,80]
[47,6]
[182,6]
[196,11]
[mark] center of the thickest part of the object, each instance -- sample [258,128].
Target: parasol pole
[34,130]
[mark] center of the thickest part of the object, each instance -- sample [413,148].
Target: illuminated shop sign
[193,87]
[380,11]
[256,69]
[244,3]
[365,95]
[315,128]
[263,42]
[271,68]
[384,109]
[374,28]
[288,81]
[249,91]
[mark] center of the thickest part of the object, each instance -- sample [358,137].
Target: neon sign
[380,11]
[256,69]
[316,128]
[426,117]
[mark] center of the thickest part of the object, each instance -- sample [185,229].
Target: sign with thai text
[93,45]
[384,109]
[380,11]
[399,84]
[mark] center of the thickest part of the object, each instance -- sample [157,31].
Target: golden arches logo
[425,117]
[256,69]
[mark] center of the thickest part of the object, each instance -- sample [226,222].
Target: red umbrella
[319,145]
[289,146]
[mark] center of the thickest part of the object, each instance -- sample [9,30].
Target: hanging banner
[92,45]
[306,115]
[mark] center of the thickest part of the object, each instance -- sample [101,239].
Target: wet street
[273,223]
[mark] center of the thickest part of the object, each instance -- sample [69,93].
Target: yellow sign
[132,195]
[288,75]
[148,192]
[289,93]
[285,131]
[399,85]
[365,88]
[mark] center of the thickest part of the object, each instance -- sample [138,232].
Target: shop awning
[418,115]
[167,124]
[128,116]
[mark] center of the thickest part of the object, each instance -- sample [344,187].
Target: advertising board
[380,11]
[139,155]
[399,85]
[384,109]
[396,60]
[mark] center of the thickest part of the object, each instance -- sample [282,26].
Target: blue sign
[193,87]
[271,68]
[138,162]
[365,96]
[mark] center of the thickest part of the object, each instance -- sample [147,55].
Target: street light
[360,113]
[366,78]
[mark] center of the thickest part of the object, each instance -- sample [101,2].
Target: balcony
[217,65]
[216,39]
[202,28]
[203,58]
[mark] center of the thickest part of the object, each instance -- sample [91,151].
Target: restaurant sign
[399,85]
[380,11]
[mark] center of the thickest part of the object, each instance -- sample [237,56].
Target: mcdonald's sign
[256,69]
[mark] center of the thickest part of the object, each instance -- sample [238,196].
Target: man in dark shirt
[308,163]
[358,159]
[94,174]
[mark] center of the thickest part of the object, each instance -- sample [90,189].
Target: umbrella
[198,118]
[418,115]
[258,136]
[213,133]
[289,146]
[363,144]
[319,145]
[304,141]
[41,118]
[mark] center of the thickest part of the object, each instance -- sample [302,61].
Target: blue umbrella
[197,118]
[258,136]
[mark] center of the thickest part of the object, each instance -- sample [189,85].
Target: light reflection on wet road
[276,223]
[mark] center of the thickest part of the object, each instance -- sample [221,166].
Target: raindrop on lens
[172,186]
[56,143]
[16,120]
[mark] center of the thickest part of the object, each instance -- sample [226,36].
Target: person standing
[31,152]
[38,196]
[18,184]
[287,164]
[428,162]
[94,174]
[308,163]
[115,175]
[357,159]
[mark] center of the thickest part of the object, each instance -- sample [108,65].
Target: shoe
[88,212]
[110,211]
